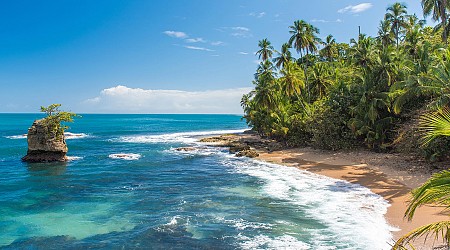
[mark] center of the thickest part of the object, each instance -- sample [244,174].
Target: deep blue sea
[159,198]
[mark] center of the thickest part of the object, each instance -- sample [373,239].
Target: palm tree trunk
[306,76]
[444,20]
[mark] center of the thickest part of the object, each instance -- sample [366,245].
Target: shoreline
[391,176]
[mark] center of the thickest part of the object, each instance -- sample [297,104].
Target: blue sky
[178,56]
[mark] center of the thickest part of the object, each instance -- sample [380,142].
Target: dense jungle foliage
[365,93]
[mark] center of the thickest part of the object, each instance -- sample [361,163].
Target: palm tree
[320,79]
[284,57]
[384,33]
[304,38]
[299,40]
[438,11]
[266,50]
[435,190]
[329,48]
[362,50]
[396,16]
[291,79]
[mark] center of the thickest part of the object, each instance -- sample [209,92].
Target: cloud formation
[258,15]
[176,34]
[356,8]
[195,40]
[185,37]
[122,99]
[217,43]
[198,48]
[240,32]
[326,21]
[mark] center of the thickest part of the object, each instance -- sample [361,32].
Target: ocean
[160,198]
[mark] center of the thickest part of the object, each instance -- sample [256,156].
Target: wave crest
[125,156]
[184,137]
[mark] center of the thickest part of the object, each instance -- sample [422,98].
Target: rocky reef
[44,144]
[238,145]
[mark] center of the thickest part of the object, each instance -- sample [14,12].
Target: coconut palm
[435,190]
[292,79]
[384,33]
[299,39]
[320,79]
[438,11]
[396,15]
[329,49]
[284,57]
[362,50]
[266,50]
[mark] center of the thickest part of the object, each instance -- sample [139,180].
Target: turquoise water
[161,198]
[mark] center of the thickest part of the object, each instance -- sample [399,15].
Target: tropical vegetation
[366,93]
[333,95]
[55,118]
[435,191]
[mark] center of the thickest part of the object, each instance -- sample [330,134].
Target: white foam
[15,137]
[265,242]
[74,158]
[185,137]
[354,216]
[67,136]
[125,156]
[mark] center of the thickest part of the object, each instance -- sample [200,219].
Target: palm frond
[437,230]
[435,124]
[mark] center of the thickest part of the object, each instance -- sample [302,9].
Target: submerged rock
[45,145]
[186,149]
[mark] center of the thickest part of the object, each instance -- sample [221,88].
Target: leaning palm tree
[266,50]
[284,57]
[396,15]
[435,190]
[438,11]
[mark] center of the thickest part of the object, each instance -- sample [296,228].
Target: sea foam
[354,216]
[125,156]
[185,137]
[67,136]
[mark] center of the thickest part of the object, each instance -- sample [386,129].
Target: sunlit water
[126,187]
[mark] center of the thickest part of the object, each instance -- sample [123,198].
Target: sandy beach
[388,175]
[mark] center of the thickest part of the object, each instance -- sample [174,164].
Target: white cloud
[176,34]
[243,53]
[258,15]
[217,43]
[239,28]
[241,32]
[356,8]
[326,21]
[198,48]
[195,40]
[122,99]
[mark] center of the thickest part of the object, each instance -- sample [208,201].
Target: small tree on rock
[55,117]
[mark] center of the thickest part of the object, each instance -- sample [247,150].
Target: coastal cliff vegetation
[55,118]
[366,93]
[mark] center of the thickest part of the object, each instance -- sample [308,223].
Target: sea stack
[45,144]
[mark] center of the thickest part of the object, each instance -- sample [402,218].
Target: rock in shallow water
[44,145]
[248,153]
